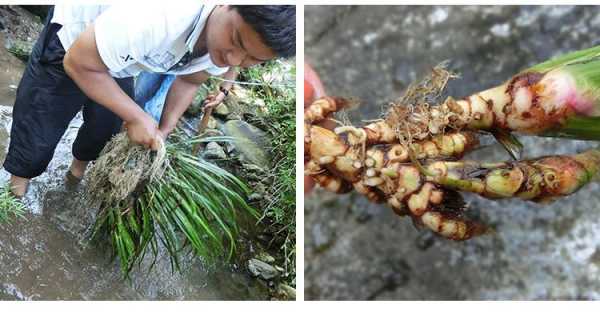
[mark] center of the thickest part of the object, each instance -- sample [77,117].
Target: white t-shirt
[132,38]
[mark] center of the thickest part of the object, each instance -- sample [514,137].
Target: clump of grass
[20,49]
[10,206]
[170,198]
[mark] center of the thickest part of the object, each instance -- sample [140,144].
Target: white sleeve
[126,34]
[217,71]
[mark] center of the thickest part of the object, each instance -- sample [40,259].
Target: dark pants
[47,100]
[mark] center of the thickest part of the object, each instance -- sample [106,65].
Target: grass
[194,205]
[278,119]
[20,49]
[10,206]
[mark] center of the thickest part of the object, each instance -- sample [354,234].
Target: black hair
[276,25]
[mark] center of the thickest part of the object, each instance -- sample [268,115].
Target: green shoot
[10,206]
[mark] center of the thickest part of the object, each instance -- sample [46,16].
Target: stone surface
[221,110]
[261,269]
[21,29]
[212,132]
[250,141]
[537,251]
[12,67]
[265,257]
[214,151]
[287,291]
[212,123]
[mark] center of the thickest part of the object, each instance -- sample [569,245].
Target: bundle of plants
[168,199]
[413,158]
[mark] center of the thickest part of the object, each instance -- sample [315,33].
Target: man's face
[232,42]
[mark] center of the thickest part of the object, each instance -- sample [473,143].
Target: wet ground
[11,71]
[358,250]
[47,255]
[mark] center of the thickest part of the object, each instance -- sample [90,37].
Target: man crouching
[86,58]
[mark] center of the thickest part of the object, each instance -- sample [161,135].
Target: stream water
[47,255]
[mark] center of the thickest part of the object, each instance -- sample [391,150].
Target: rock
[11,70]
[287,291]
[21,29]
[251,167]
[255,197]
[212,123]
[240,92]
[322,235]
[265,257]
[221,110]
[214,151]
[250,141]
[260,105]
[229,147]
[261,269]
[211,133]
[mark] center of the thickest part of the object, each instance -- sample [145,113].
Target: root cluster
[411,116]
[122,169]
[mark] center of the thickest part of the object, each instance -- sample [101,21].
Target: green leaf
[569,58]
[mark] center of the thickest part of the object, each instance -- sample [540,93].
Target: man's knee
[26,164]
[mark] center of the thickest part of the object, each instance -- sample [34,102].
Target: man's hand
[84,65]
[144,131]
[213,101]
[164,133]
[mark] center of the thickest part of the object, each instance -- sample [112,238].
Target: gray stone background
[358,250]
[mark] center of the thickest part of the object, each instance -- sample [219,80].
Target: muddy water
[47,256]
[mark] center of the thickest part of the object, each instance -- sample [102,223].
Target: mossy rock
[250,141]
[221,110]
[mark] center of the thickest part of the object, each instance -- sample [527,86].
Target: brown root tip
[475,229]
[343,103]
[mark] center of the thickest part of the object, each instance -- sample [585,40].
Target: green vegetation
[10,206]
[197,205]
[20,49]
[180,202]
[278,91]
